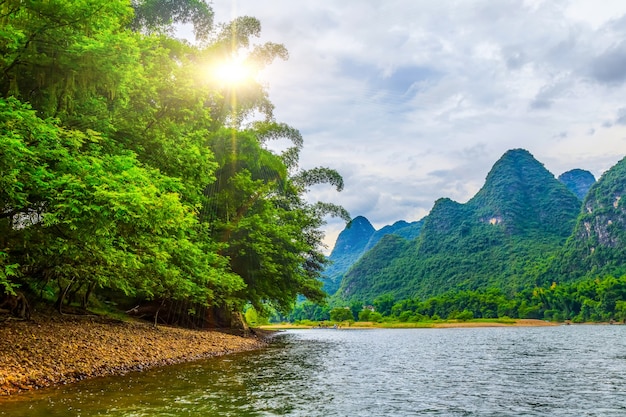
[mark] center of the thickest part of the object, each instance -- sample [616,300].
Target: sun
[233,72]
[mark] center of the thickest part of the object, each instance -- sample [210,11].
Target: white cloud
[415,100]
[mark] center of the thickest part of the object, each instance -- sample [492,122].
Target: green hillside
[373,267]
[401,228]
[349,247]
[503,237]
[578,181]
[598,245]
[358,237]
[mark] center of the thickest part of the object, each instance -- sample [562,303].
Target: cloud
[610,66]
[413,101]
[548,94]
[621,116]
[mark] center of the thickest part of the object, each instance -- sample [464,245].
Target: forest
[129,172]
[134,169]
[524,247]
[588,300]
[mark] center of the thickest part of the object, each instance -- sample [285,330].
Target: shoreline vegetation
[56,350]
[437,324]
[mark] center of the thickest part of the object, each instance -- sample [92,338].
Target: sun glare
[232,73]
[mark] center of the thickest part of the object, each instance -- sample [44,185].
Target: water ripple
[551,371]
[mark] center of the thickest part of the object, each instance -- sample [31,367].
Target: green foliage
[118,175]
[370,272]
[160,15]
[598,243]
[364,315]
[356,307]
[589,300]
[464,315]
[6,272]
[271,233]
[384,304]
[376,317]
[341,314]
[253,318]
[505,237]
[309,311]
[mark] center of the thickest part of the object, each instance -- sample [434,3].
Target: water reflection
[554,371]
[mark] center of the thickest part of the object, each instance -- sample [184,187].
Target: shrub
[364,315]
[465,315]
[341,314]
[404,316]
[375,316]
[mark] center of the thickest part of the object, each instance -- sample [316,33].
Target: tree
[356,307]
[364,315]
[384,303]
[341,314]
[258,212]
[161,15]
[67,59]
[118,172]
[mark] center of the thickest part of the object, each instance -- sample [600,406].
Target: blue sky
[415,100]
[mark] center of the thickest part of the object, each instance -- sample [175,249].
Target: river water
[512,371]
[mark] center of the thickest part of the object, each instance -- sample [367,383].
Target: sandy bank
[58,350]
[425,325]
[518,323]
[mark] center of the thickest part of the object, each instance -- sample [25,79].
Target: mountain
[357,239]
[598,245]
[525,198]
[400,228]
[376,259]
[578,181]
[349,247]
[501,238]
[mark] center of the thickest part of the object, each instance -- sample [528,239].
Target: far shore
[422,325]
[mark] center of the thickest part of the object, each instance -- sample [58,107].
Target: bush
[404,316]
[552,315]
[417,317]
[364,315]
[465,315]
[341,314]
[375,316]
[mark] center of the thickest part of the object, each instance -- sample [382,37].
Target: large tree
[125,168]
[258,209]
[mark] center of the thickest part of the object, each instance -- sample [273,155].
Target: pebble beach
[55,349]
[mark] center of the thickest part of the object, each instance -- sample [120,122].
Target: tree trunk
[62,296]
[156,315]
[85,300]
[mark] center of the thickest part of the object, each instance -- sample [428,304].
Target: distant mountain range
[523,228]
[357,238]
[578,181]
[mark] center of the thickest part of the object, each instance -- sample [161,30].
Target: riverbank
[424,325]
[54,350]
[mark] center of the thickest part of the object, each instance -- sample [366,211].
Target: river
[577,370]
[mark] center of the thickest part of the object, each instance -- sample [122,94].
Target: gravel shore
[58,349]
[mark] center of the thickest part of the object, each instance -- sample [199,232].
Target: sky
[414,100]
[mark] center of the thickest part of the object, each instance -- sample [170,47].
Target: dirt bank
[60,349]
